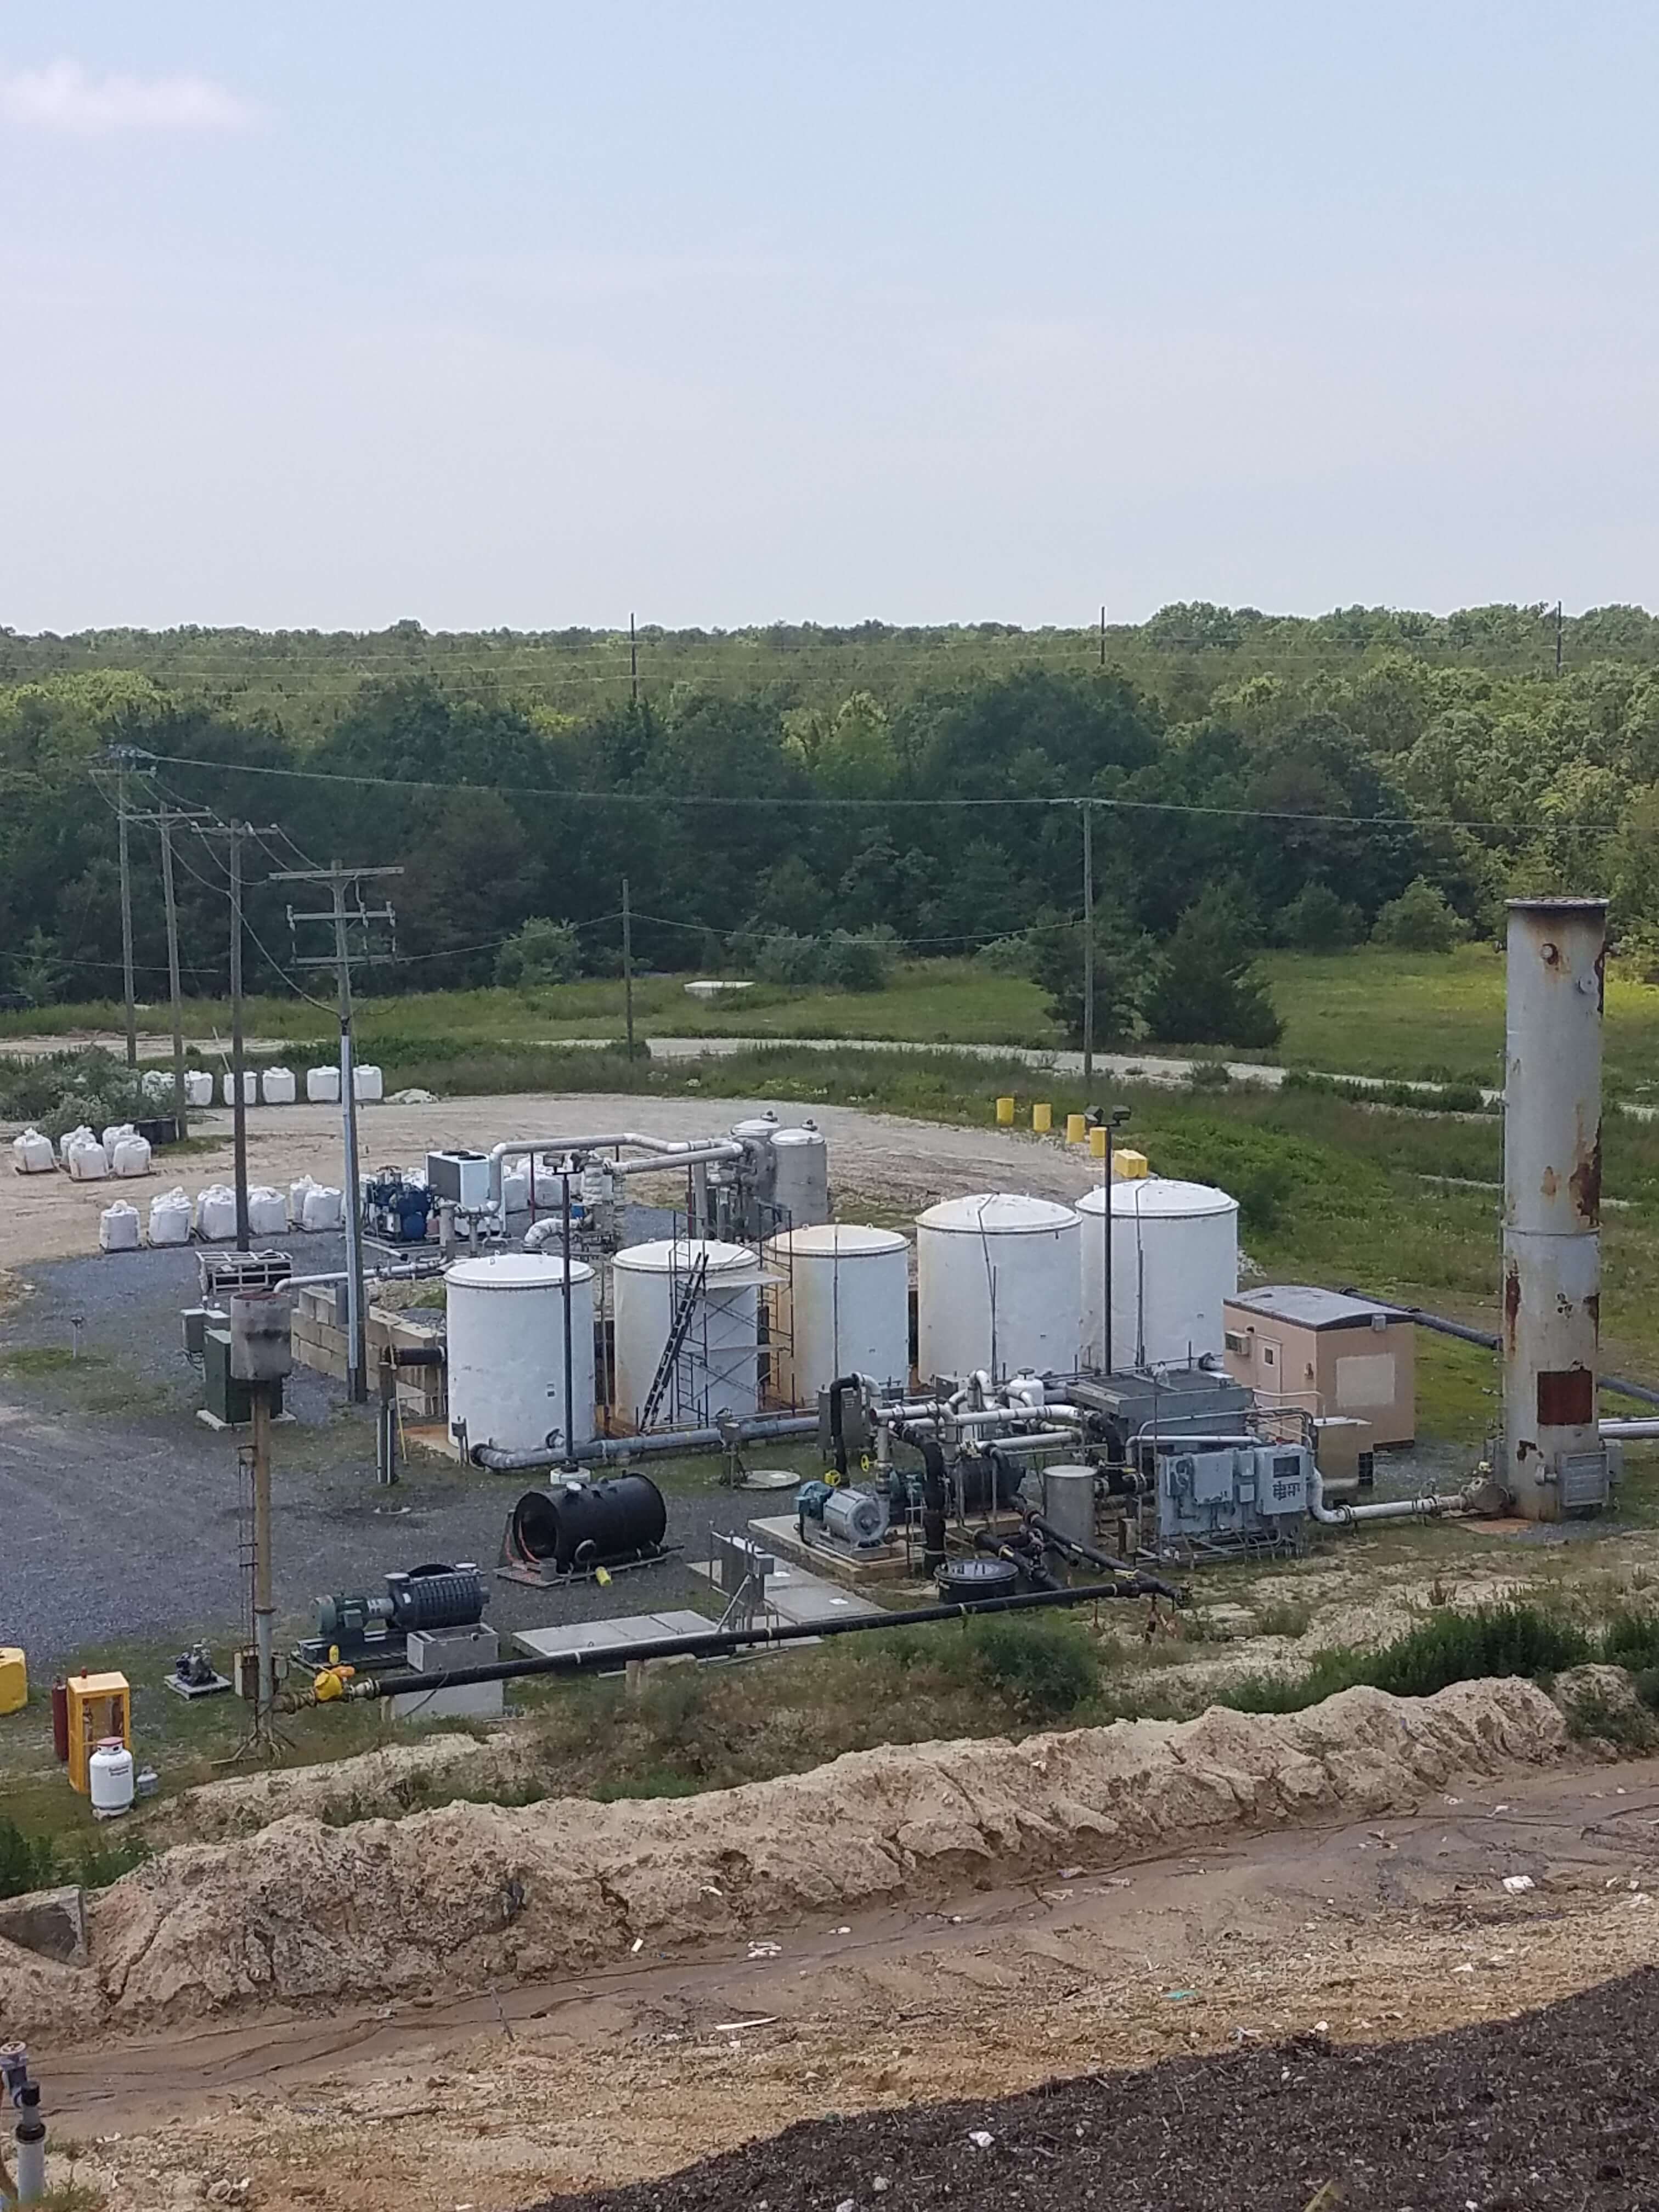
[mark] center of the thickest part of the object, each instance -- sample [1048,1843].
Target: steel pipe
[610,1451]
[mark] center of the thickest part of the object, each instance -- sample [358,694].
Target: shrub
[1448,1647]
[860,962]
[1006,956]
[543,951]
[1047,1668]
[1419,921]
[1318,921]
[1204,990]
[1122,965]
[24,1865]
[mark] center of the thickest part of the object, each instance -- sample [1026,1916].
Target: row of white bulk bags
[198,1087]
[323,1087]
[267,1212]
[118,1228]
[170,1217]
[32,1154]
[215,1213]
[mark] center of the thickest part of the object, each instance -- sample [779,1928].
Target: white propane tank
[323,1087]
[719,1365]
[198,1087]
[277,1086]
[109,1778]
[841,1306]
[506,1348]
[800,1177]
[997,1287]
[1175,1258]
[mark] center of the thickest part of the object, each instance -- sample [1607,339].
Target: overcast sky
[529,314]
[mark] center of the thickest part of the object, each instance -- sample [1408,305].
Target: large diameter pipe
[715,1642]
[1424,1507]
[608,1451]
[1552,1278]
[673,1152]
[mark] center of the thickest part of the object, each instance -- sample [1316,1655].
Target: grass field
[1365,1012]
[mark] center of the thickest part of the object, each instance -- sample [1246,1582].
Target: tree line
[1320,801]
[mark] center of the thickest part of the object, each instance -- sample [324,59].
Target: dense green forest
[1258,780]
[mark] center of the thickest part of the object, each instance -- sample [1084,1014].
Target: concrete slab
[610,1636]
[53,1923]
[801,1599]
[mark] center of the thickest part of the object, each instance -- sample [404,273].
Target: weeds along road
[1377,1929]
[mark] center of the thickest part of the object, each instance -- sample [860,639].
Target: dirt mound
[306,1914]
[1450,2119]
[384,1783]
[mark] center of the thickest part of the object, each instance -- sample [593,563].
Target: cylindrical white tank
[1174,1260]
[843,1307]
[109,1778]
[718,1368]
[505,1315]
[800,1177]
[997,1287]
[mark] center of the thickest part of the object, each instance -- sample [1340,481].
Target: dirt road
[1379,1929]
[885,1160]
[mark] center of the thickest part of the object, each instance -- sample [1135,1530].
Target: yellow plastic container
[14,1679]
[1042,1118]
[1005,1113]
[99,1706]
[1099,1139]
[1077,1129]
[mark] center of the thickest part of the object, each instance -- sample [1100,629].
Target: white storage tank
[841,1307]
[998,1282]
[1174,1260]
[801,1176]
[110,1783]
[718,1370]
[506,1348]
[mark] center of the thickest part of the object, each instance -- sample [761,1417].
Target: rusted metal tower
[1553,1460]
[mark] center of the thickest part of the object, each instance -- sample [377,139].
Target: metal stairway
[685,1306]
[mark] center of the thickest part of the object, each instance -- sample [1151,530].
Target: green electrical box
[225,1398]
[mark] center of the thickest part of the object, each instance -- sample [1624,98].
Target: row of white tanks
[1006,1282]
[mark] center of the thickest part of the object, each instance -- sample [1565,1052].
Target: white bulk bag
[198,1087]
[156,1086]
[548,1187]
[276,1085]
[250,1087]
[323,1208]
[296,1198]
[367,1085]
[215,1213]
[323,1085]
[129,1155]
[267,1212]
[70,1139]
[31,1154]
[88,1161]
[116,1129]
[118,1228]
[169,1218]
[515,1190]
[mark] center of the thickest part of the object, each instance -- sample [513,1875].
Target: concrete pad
[611,1638]
[801,1599]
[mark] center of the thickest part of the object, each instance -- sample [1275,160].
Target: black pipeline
[716,1641]
[1619,1385]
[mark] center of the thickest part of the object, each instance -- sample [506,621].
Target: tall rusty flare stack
[1553,1460]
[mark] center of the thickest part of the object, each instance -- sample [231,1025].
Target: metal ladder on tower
[679,1328]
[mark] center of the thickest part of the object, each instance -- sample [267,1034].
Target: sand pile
[306,1914]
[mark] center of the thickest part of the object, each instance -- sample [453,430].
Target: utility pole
[167,819]
[339,881]
[633,663]
[628,973]
[1088,945]
[1558,637]
[235,832]
[1102,636]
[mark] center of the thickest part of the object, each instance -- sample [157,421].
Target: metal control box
[459,1179]
[1232,1497]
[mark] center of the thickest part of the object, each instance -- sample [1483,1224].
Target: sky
[532,315]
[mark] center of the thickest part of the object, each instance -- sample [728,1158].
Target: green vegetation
[1445,1648]
[1369,774]
[38,1862]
